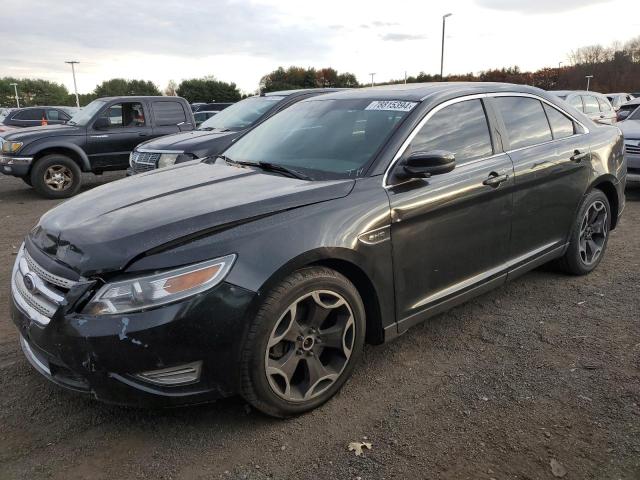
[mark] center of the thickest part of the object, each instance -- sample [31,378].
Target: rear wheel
[589,235]
[304,343]
[56,176]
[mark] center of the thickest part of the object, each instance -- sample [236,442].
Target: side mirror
[425,164]
[101,123]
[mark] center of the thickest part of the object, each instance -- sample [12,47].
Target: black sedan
[37,116]
[346,218]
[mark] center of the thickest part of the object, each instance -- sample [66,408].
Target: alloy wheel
[593,232]
[310,346]
[58,177]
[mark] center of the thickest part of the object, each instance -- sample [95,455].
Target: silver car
[593,104]
[619,99]
[631,131]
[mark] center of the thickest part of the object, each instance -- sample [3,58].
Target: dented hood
[105,228]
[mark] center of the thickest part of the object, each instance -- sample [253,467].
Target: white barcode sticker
[391,105]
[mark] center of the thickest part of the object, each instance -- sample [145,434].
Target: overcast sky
[241,40]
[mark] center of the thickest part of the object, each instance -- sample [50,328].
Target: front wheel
[304,342]
[56,176]
[589,235]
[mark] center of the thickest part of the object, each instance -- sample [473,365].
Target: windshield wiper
[268,166]
[274,167]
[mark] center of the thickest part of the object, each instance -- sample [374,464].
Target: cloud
[401,37]
[537,6]
[172,28]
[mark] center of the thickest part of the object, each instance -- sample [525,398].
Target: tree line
[615,68]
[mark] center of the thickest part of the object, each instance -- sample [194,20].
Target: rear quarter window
[561,125]
[169,113]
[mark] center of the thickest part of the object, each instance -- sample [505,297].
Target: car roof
[619,93]
[420,91]
[635,101]
[140,97]
[580,92]
[300,91]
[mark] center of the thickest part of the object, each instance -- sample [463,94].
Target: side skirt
[520,268]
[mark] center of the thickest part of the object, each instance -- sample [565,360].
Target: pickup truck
[98,138]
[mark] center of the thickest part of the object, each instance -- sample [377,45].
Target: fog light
[173,376]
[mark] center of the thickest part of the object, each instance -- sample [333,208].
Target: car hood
[106,228]
[188,142]
[630,128]
[33,133]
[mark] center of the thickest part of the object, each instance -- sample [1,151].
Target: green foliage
[208,90]
[297,77]
[32,92]
[117,87]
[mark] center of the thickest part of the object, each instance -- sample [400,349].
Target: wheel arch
[606,185]
[69,150]
[345,262]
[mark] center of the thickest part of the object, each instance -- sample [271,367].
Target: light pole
[559,66]
[588,77]
[15,89]
[444,20]
[372,75]
[75,87]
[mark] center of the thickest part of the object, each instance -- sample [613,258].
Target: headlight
[154,290]
[11,147]
[167,159]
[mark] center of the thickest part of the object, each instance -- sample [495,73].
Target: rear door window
[127,114]
[590,104]
[604,106]
[525,121]
[169,113]
[461,129]
[576,102]
[54,115]
[561,125]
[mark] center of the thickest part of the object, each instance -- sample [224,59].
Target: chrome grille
[144,161]
[633,149]
[46,291]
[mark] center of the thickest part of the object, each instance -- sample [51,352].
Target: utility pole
[559,66]
[15,89]
[372,75]
[588,77]
[444,20]
[75,87]
[405,77]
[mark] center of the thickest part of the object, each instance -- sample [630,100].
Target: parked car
[196,105]
[36,116]
[215,106]
[594,105]
[619,99]
[628,108]
[631,130]
[217,133]
[202,116]
[345,218]
[4,112]
[98,138]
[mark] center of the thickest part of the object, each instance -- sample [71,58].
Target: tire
[317,293]
[579,260]
[56,176]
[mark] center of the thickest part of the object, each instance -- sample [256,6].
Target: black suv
[98,138]
[348,217]
[37,116]
[218,132]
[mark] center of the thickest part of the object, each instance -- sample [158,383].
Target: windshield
[241,115]
[323,138]
[635,115]
[84,116]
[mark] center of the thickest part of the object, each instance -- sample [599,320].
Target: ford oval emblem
[29,282]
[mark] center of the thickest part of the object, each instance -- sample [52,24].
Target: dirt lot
[545,369]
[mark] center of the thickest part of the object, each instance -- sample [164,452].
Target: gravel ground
[543,370]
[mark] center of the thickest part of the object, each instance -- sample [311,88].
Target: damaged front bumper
[182,353]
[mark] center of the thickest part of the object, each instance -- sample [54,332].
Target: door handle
[578,156]
[494,180]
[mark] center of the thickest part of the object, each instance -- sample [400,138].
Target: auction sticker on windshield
[391,105]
